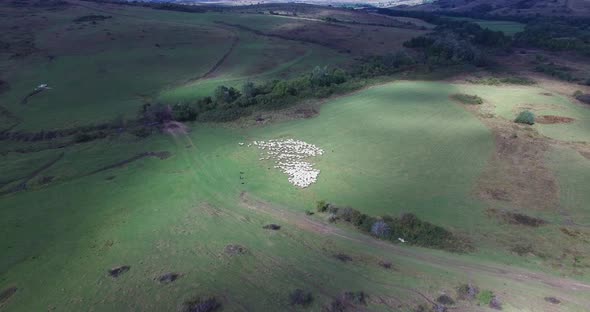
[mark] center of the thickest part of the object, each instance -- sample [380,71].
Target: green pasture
[104,71]
[389,149]
[400,147]
[508,27]
[514,99]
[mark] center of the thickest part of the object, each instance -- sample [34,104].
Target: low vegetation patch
[343,257]
[552,300]
[525,117]
[347,301]
[300,297]
[7,293]
[522,219]
[554,70]
[168,278]
[385,264]
[445,299]
[522,249]
[118,271]
[4,86]
[467,99]
[485,297]
[467,292]
[407,227]
[92,18]
[582,97]
[274,227]
[234,250]
[493,81]
[202,304]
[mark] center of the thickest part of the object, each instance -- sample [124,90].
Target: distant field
[104,70]
[508,27]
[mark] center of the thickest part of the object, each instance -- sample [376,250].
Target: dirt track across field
[505,273]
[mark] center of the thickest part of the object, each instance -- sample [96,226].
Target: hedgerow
[408,227]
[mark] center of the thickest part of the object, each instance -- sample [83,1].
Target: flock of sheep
[290,156]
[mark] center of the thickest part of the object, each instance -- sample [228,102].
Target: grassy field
[101,71]
[176,203]
[395,148]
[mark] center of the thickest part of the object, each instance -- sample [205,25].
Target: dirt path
[505,273]
[271,35]
[160,155]
[23,185]
[212,70]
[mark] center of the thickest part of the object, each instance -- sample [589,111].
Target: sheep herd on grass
[290,157]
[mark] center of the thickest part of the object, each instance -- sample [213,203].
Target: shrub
[271,226]
[467,99]
[348,214]
[467,292]
[206,304]
[300,297]
[333,209]
[525,117]
[142,132]
[422,233]
[357,297]
[385,264]
[524,81]
[495,303]
[87,137]
[332,218]
[445,299]
[343,257]
[184,112]
[322,206]
[582,97]
[485,297]
[493,81]
[381,229]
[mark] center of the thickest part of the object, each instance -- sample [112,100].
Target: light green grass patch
[513,99]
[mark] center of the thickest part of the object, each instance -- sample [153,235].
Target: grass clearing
[171,222]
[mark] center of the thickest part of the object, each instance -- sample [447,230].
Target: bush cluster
[582,97]
[407,226]
[493,81]
[300,297]
[557,34]
[458,42]
[467,99]
[229,103]
[525,117]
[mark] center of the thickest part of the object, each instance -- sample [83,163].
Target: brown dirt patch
[516,171]
[551,119]
[516,218]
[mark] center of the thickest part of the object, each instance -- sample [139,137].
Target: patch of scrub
[290,156]
[509,101]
